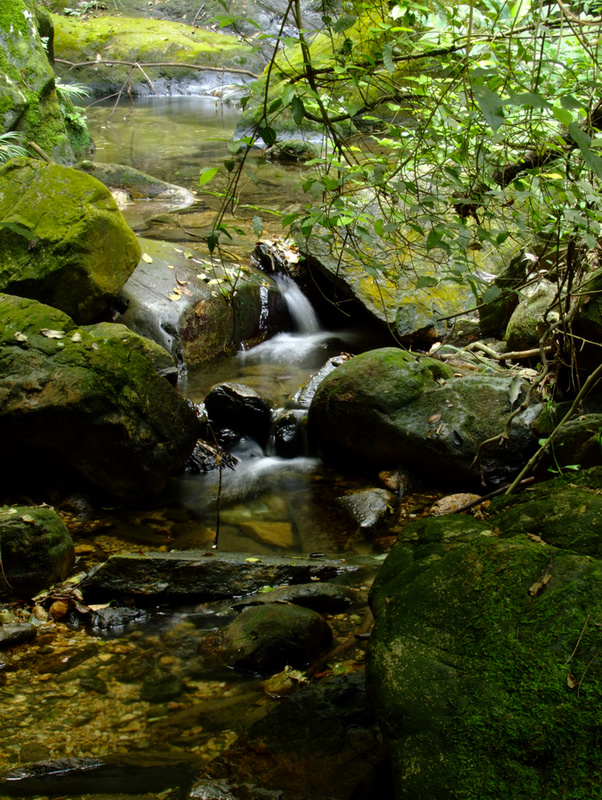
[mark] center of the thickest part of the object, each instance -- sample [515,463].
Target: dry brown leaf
[200,308]
[571,681]
[434,418]
[174,297]
[181,282]
[536,588]
[170,266]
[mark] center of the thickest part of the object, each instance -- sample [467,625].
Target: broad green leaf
[563,115]
[287,95]
[257,226]
[528,100]
[426,281]
[268,134]
[297,110]
[207,175]
[490,105]
[388,58]
[582,140]
[213,240]
[344,23]
[570,102]
[491,293]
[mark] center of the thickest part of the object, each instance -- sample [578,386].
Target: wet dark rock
[290,434]
[161,685]
[236,406]
[576,444]
[87,402]
[132,774]
[222,790]
[325,598]
[71,247]
[202,576]
[169,299]
[369,509]
[266,638]
[322,742]
[482,666]
[36,550]
[388,407]
[12,635]
[306,393]
[292,151]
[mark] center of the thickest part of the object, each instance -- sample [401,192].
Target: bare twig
[148,65]
[578,640]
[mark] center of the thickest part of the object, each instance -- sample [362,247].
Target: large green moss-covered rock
[484,664]
[36,549]
[86,403]
[63,239]
[389,407]
[147,41]
[28,99]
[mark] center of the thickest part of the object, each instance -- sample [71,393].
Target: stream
[82,689]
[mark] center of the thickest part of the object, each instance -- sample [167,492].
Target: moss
[469,665]
[145,41]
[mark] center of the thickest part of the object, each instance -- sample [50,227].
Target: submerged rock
[87,402]
[36,550]
[267,638]
[482,666]
[63,239]
[388,407]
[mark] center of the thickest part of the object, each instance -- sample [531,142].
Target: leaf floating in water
[147,258]
[77,337]
[20,337]
[50,334]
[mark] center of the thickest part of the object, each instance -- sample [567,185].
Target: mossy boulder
[182,48]
[268,638]
[28,98]
[63,239]
[405,289]
[86,405]
[484,664]
[537,309]
[389,407]
[36,549]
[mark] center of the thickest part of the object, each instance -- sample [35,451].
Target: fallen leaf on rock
[51,334]
[20,337]
[252,560]
[77,337]
[147,258]
[185,290]
[181,282]
[200,308]
[29,519]
[434,418]
[174,297]
[571,681]
[170,266]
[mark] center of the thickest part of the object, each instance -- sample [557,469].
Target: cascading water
[302,313]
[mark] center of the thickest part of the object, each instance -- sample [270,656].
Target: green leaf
[426,281]
[19,229]
[528,100]
[570,102]
[287,95]
[207,175]
[562,115]
[297,110]
[582,140]
[257,226]
[268,134]
[491,293]
[344,23]
[388,58]
[213,240]
[491,106]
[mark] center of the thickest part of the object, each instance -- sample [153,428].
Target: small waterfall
[305,319]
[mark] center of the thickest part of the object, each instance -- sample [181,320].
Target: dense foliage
[443,127]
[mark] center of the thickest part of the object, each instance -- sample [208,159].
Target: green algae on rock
[63,239]
[484,664]
[77,405]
